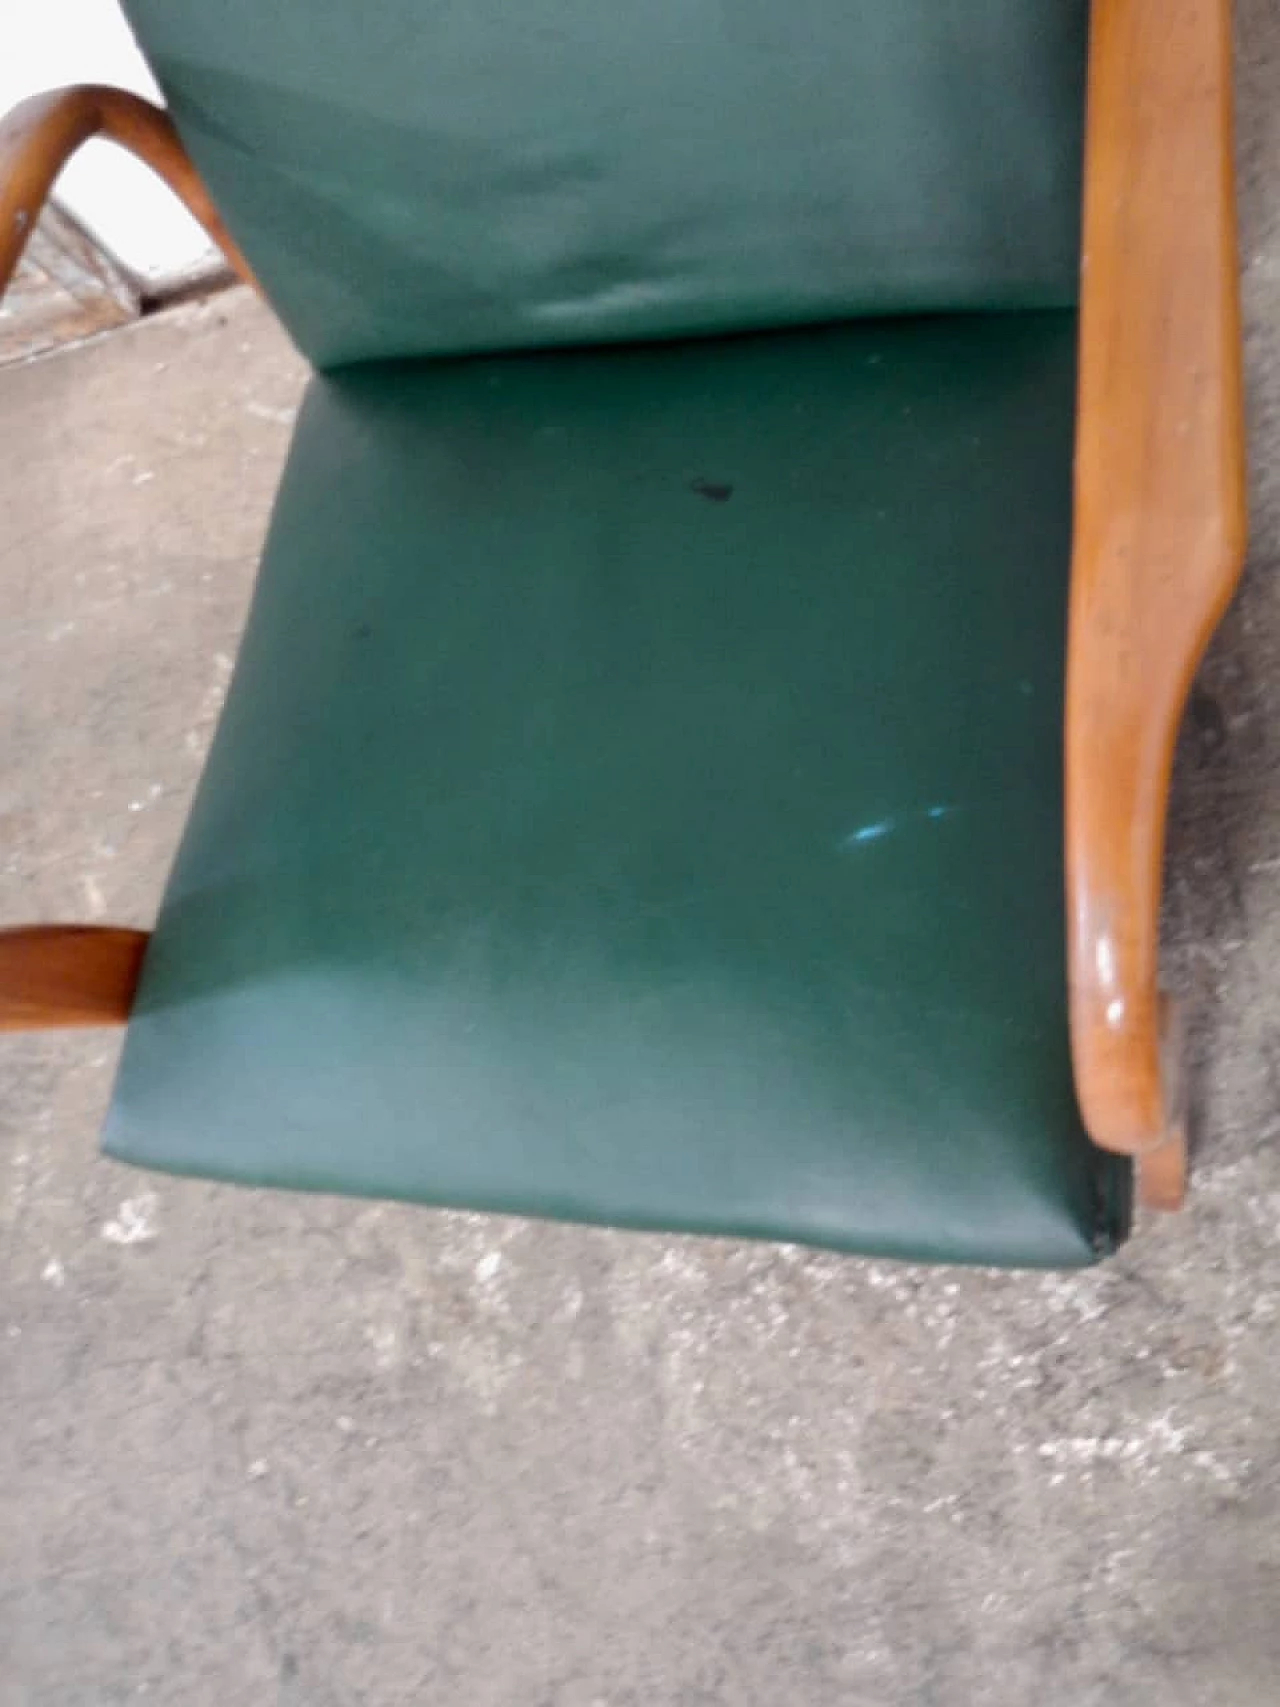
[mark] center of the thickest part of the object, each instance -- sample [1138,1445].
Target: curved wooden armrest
[40,135]
[68,975]
[1159,532]
[77,975]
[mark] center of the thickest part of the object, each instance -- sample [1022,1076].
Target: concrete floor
[256,1448]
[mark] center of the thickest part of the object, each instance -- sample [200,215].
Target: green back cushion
[639,800]
[418,176]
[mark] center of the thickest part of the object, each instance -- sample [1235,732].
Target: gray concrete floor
[256,1448]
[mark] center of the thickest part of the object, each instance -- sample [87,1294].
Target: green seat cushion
[638,801]
[409,177]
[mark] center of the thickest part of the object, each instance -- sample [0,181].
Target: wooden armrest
[1159,532]
[68,975]
[40,135]
[73,975]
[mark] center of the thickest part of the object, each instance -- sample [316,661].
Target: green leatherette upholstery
[638,800]
[416,176]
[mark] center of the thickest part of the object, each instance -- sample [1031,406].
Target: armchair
[699,755]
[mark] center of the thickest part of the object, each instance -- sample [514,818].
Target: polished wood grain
[68,975]
[39,136]
[1159,531]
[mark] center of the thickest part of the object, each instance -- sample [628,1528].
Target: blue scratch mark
[881,827]
[871,832]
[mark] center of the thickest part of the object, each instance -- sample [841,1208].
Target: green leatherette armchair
[640,798]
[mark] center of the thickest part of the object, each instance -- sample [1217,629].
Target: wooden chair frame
[1158,541]
[1158,537]
[40,135]
[74,975]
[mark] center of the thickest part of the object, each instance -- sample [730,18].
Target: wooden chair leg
[1162,1174]
[1159,531]
[68,975]
[1162,1171]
